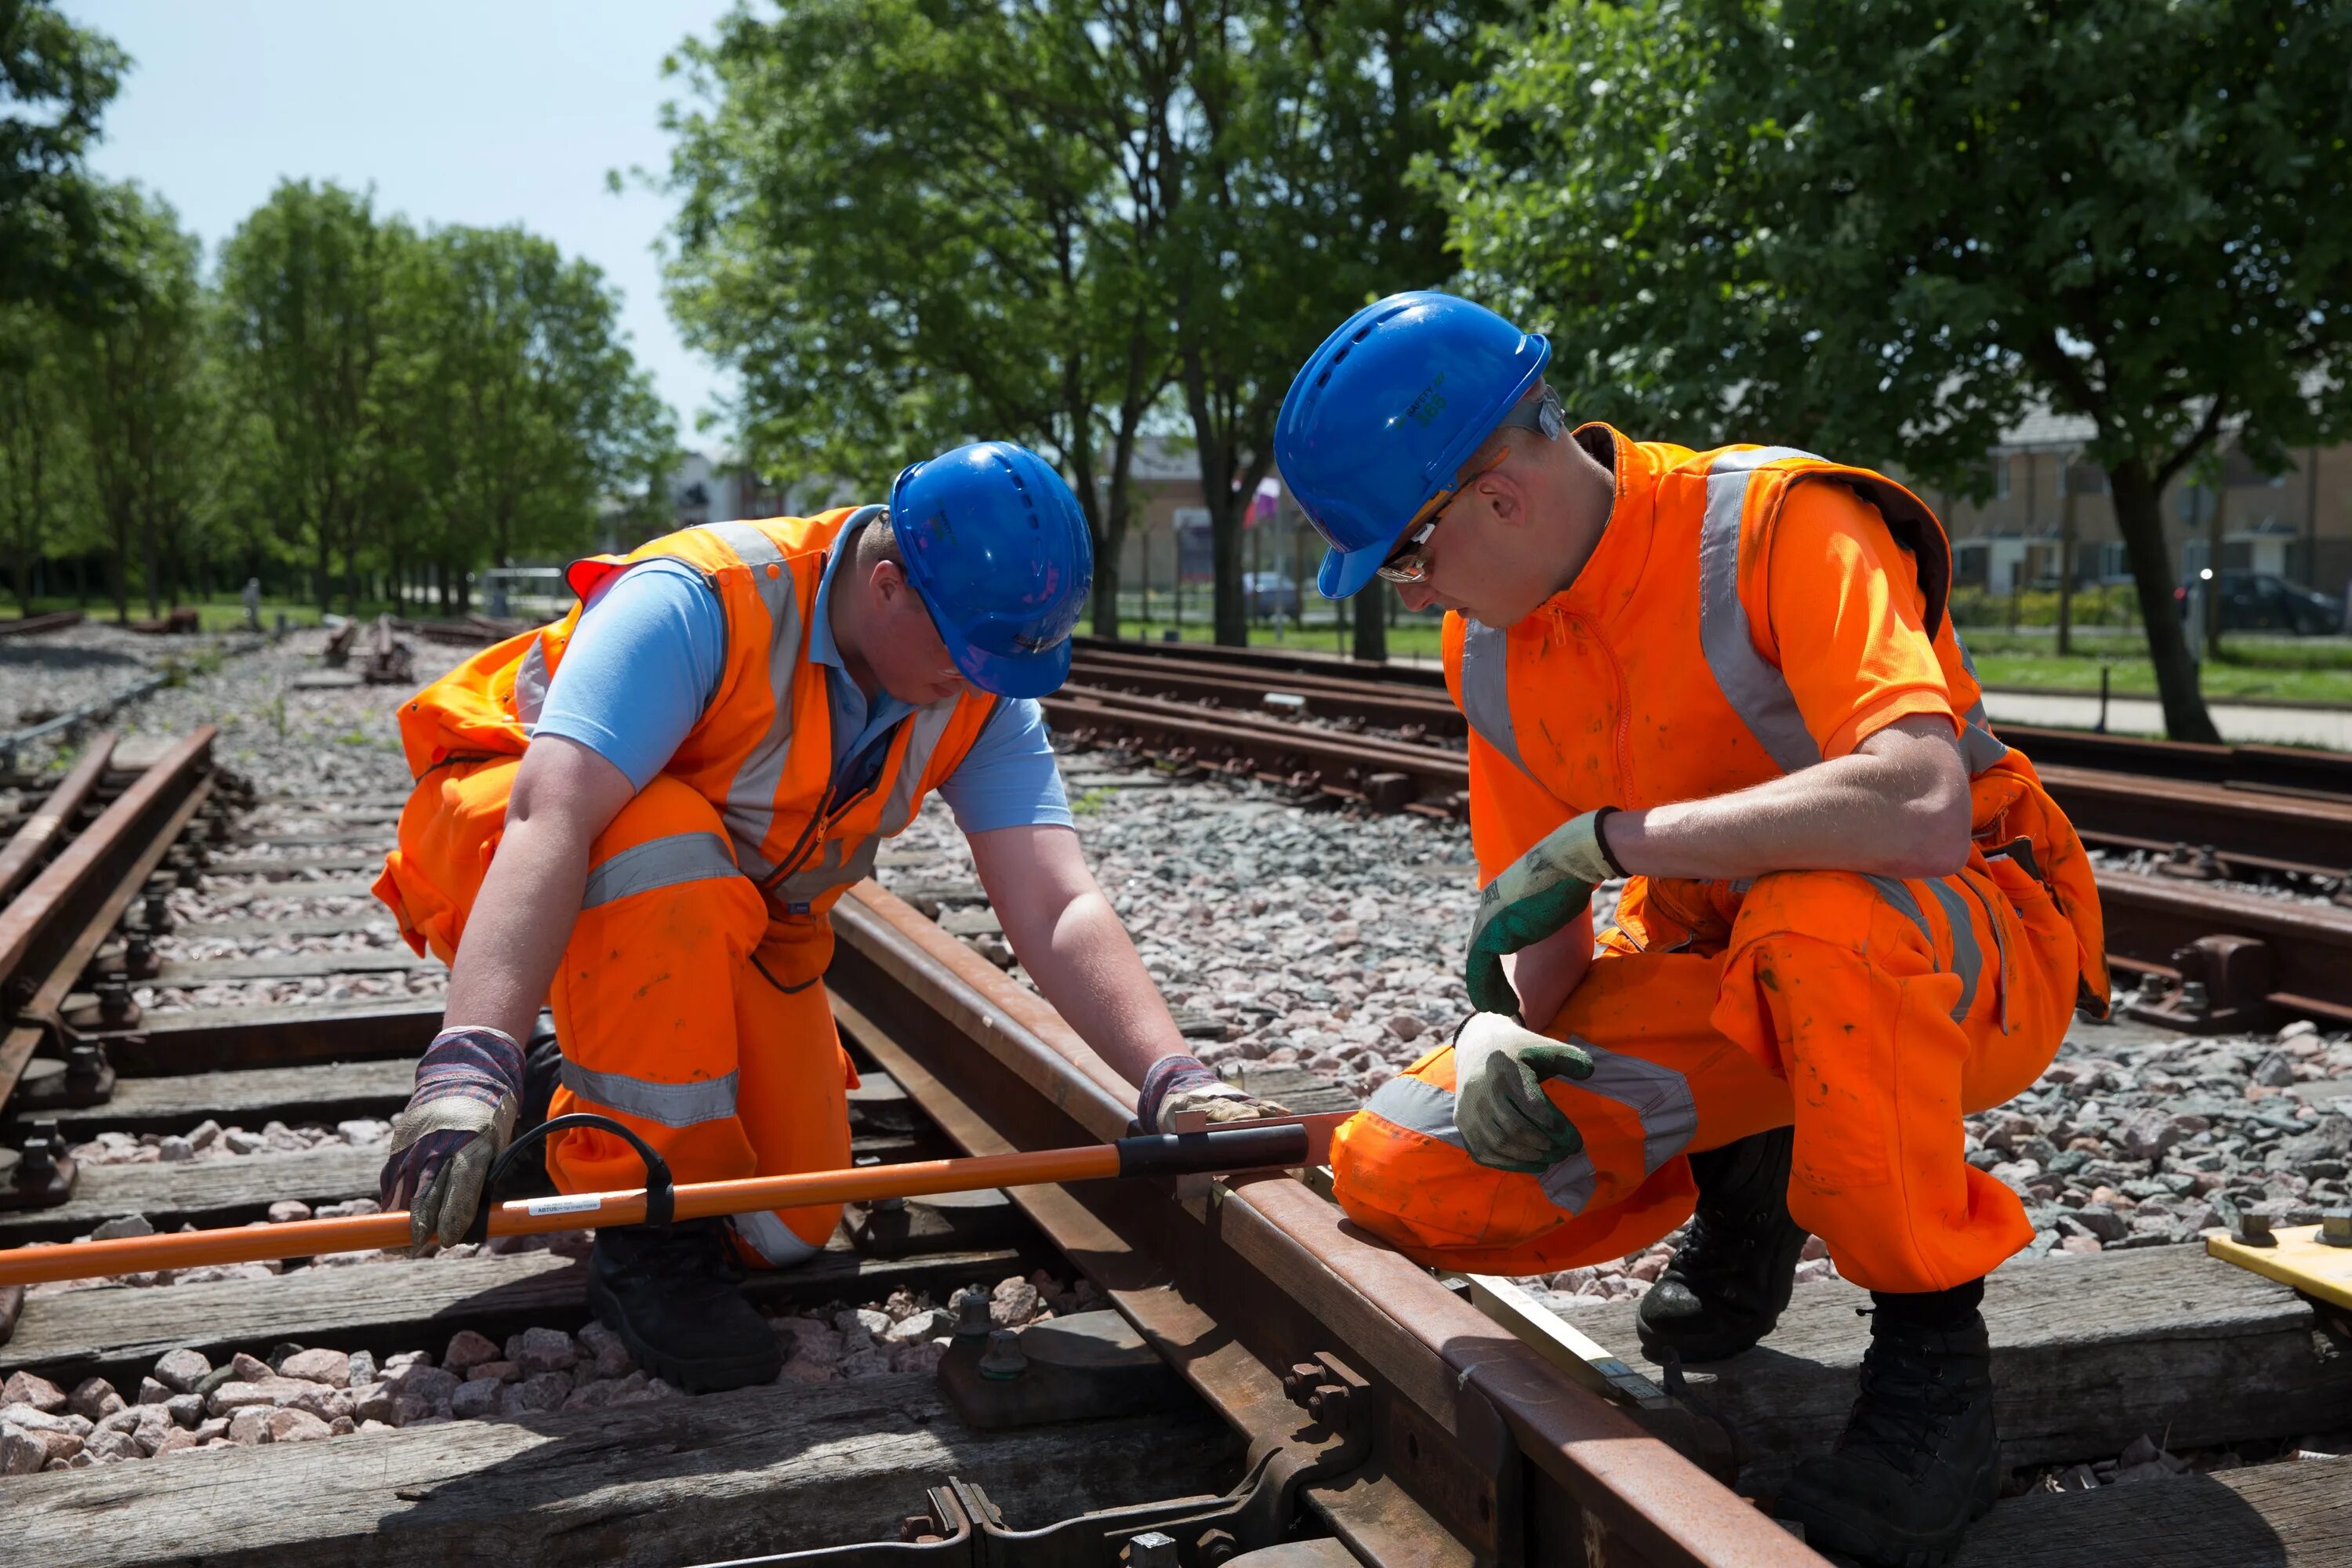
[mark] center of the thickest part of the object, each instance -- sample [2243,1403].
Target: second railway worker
[1851,915]
[642,814]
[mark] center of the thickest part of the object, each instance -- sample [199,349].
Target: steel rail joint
[1467,1385]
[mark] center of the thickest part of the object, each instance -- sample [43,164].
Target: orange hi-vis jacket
[762,751]
[1662,694]
[1694,655]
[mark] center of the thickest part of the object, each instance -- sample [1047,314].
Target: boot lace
[1908,1404]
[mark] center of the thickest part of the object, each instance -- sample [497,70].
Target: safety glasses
[1409,562]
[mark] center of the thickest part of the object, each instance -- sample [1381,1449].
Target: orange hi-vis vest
[762,751]
[1665,695]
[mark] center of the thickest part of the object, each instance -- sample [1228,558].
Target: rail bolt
[1299,1383]
[85,1062]
[1216,1547]
[1330,1405]
[2335,1227]
[2255,1230]
[972,1320]
[1003,1362]
[1152,1549]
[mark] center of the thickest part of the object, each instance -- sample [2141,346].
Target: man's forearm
[516,932]
[1088,970]
[1899,810]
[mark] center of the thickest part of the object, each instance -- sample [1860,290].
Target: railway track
[1238,1369]
[2192,815]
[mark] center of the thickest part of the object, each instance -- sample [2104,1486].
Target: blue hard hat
[1384,414]
[997,549]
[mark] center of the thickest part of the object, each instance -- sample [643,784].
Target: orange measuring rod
[1276,1146]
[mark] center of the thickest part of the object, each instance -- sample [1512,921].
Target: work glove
[457,1125]
[1534,896]
[1506,1119]
[1179,1083]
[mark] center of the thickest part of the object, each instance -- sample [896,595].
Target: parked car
[2266,602]
[1269,594]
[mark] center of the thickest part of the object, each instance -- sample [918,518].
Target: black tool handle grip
[658,1197]
[1218,1149]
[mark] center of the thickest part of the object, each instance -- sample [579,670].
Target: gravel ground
[294,1394]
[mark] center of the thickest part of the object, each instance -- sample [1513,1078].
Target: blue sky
[491,112]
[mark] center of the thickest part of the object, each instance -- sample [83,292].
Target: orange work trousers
[664,1008]
[1872,1013]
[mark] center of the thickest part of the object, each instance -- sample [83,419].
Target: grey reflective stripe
[1486,689]
[1999,944]
[1757,692]
[1899,895]
[531,683]
[1417,1106]
[658,863]
[1979,747]
[670,1104]
[750,807]
[1658,1095]
[778,1245]
[841,867]
[1967,958]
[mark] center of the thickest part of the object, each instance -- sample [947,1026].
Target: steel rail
[2309,945]
[34,625]
[34,835]
[1483,1446]
[49,932]
[2251,766]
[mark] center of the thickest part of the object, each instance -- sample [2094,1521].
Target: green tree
[910,224]
[55,81]
[307,314]
[1884,230]
[511,404]
[42,468]
[1291,206]
[136,366]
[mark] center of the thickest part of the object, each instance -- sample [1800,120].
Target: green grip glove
[1506,1119]
[1533,898]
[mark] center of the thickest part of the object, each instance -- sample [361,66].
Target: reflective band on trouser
[1486,687]
[670,1104]
[1967,957]
[658,863]
[1659,1097]
[778,1244]
[1757,691]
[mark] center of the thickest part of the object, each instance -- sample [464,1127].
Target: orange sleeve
[1844,608]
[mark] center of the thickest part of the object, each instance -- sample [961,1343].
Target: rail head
[1455,1375]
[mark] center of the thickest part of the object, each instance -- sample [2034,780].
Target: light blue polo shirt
[645,663]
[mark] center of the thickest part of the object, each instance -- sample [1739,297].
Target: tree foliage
[55,81]
[914,222]
[1886,228]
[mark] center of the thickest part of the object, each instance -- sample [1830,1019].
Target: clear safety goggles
[1409,562]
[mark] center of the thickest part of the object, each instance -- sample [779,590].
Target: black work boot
[1919,1458]
[670,1292]
[1731,1276]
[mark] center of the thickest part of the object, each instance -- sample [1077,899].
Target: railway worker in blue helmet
[1850,915]
[640,817]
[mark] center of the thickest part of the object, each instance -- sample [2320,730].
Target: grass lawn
[221,612]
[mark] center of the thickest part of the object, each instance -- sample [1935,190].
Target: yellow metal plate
[2299,1259]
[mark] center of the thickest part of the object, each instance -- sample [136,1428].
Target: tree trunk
[1372,623]
[2139,517]
[2066,564]
[2214,526]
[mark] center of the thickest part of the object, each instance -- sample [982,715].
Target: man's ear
[888,580]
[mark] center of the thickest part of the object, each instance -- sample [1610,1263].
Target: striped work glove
[459,1121]
[1535,896]
[1179,1083]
